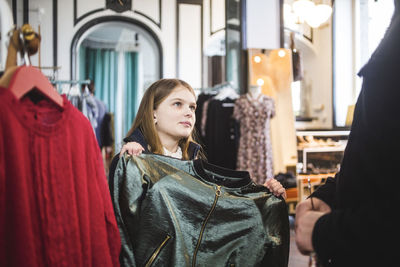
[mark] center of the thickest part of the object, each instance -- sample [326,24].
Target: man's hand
[306,217]
[305,206]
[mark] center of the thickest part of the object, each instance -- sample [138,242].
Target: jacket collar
[137,136]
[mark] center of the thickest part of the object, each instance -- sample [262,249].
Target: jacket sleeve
[276,223]
[326,192]
[129,188]
[363,221]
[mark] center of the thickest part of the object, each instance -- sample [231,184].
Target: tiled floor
[296,259]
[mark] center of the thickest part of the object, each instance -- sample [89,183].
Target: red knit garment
[55,207]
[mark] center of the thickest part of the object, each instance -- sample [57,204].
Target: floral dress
[255,149]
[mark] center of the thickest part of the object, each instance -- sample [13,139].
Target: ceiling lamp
[302,9]
[320,15]
[313,14]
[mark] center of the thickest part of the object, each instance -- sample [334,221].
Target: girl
[165,123]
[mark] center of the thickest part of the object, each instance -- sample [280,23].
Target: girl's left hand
[275,187]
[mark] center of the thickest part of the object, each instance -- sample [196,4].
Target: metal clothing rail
[55,82]
[70,84]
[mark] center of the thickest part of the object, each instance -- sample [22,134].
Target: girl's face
[175,116]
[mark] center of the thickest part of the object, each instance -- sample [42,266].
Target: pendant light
[314,14]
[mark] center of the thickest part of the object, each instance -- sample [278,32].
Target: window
[353,47]
[296,98]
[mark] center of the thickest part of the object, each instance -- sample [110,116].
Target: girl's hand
[275,187]
[133,149]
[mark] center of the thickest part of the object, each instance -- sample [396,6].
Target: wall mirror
[122,59]
[353,47]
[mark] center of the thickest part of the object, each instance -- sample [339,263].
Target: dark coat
[362,229]
[174,212]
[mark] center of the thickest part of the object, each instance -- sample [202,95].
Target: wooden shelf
[322,133]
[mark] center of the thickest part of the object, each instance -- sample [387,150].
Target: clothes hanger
[227,91]
[27,78]
[23,79]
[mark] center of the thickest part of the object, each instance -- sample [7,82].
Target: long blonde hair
[144,121]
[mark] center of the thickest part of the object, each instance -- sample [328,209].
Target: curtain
[82,62]
[101,66]
[131,80]
[115,76]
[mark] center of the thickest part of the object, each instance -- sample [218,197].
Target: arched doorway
[123,57]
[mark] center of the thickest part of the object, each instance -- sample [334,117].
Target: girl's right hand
[133,149]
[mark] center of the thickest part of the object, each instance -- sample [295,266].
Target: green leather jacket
[172,212]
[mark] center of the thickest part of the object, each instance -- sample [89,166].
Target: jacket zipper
[217,194]
[155,254]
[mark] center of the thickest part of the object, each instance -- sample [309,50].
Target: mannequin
[254,92]
[254,111]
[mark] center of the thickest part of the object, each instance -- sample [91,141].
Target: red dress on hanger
[55,207]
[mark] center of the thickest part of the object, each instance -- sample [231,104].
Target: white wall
[190,52]
[66,28]
[144,11]
[67,31]
[317,64]
[169,37]
[41,14]
[6,23]
[167,34]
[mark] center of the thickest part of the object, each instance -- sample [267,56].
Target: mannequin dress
[255,149]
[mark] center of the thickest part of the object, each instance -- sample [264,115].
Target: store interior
[304,59]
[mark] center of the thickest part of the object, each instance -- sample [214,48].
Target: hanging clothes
[55,206]
[255,148]
[102,110]
[221,139]
[85,102]
[173,212]
[219,132]
[201,104]
[106,130]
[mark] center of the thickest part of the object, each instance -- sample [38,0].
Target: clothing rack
[206,90]
[215,89]
[72,83]
[222,85]
[56,82]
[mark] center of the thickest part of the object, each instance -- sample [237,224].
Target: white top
[177,154]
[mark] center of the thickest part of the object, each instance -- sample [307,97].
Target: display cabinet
[319,156]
